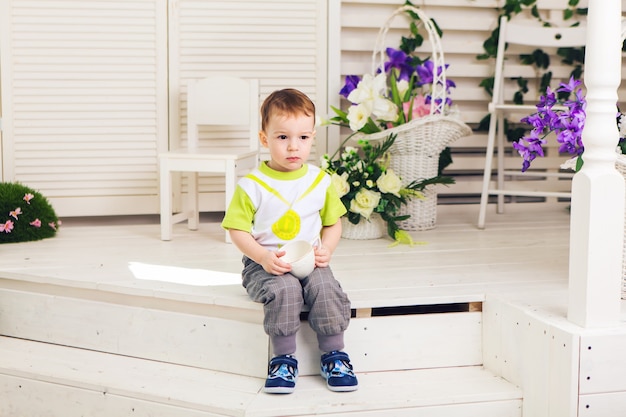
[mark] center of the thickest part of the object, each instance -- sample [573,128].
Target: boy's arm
[330,239]
[270,261]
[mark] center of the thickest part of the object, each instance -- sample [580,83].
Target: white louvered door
[282,43]
[84,88]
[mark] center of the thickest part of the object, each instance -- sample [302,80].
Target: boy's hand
[322,257]
[272,263]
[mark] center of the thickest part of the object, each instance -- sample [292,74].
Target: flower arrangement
[400,91]
[366,185]
[557,113]
[391,98]
[25,214]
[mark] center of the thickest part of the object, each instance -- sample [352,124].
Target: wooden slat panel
[465,25]
[281,43]
[87,94]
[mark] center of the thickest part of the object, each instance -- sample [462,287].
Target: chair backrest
[518,33]
[223,101]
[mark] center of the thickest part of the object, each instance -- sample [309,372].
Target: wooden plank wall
[465,25]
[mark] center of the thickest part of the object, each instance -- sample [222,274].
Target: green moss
[17,214]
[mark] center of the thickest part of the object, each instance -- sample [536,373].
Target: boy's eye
[282,136]
[304,137]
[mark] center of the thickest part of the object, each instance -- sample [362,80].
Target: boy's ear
[263,139]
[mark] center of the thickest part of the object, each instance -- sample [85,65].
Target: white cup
[301,256]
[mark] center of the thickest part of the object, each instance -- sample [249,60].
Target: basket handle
[438,93]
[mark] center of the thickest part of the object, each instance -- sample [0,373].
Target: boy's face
[289,140]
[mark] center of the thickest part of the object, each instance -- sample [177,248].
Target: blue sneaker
[281,375]
[337,370]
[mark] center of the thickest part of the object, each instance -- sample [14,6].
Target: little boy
[287,199]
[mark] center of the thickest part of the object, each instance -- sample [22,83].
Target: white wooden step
[228,337]
[38,379]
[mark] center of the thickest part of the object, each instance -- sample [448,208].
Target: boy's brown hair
[288,102]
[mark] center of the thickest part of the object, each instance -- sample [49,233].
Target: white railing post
[597,229]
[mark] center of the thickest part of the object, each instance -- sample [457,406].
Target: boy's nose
[293,144]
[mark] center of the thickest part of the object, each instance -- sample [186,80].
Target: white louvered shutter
[282,43]
[85,101]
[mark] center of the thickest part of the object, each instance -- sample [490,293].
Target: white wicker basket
[415,152]
[374,228]
[621,167]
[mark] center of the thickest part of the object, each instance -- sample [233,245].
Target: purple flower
[572,85]
[567,123]
[398,59]
[547,101]
[351,83]
[425,72]
[529,148]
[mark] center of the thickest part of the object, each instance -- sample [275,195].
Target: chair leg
[484,196]
[166,202]
[230,179]
[500,164]
[193,221]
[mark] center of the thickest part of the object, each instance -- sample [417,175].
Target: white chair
[216,101]
[534,36]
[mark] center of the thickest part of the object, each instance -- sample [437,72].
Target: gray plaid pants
[284,296]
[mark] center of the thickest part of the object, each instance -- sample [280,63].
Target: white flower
[390,183]
[369,99]
[322,121]
[385,109]
[403,86]
[358,115]
[570,164]
[349,150]
[368,89]
[364,202]
[340,182]
[324,164]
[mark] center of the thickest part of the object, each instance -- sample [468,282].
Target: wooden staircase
[90,350]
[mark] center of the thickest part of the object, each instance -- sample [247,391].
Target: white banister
[597,229]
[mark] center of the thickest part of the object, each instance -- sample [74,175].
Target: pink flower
[15,213]
[6,227]
[420,108]
[52,225]
[35,223]
[28,197]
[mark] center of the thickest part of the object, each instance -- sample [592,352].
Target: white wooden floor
[522,253]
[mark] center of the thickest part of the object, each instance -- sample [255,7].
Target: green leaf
[527,59]
[513,135]
[579,163]
[535,12]
[483,126]
[546,80]
[445,160]
[542,60]
[568,14]
[487,84]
